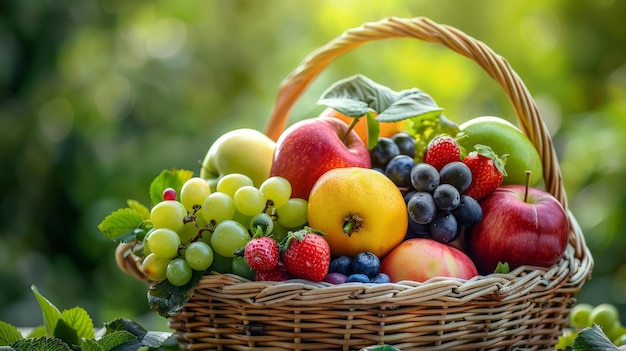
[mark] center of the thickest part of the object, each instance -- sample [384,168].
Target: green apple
[504,138]
[246,151]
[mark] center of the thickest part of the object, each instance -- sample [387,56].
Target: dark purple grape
[446,197]
[406,143]
[421,207]
[335,278]
[358,278]
[399,170]
[444,227]
[366,263]
[341,264]
[417,230]
[424,177]
[381,278]
[383,152]
[469,212]
[457,174]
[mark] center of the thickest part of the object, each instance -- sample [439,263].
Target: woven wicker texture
[523,310]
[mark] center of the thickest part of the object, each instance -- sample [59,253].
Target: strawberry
[277,274]
[441,150]
[261,253]
[306,255]
[487,171]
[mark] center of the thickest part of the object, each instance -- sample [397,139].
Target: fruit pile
[381,187]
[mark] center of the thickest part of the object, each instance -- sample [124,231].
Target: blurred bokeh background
[97,97]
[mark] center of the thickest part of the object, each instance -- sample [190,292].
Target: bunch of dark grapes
[436,206]
[437,209]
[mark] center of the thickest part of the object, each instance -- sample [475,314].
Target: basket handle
[422,28]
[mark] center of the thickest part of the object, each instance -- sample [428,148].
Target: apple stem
[355,120]
[527,184]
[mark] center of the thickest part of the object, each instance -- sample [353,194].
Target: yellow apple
[246,151]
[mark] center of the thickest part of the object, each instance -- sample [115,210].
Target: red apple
[518,231]
[420,259]
[310,147]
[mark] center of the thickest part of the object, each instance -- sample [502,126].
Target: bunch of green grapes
[204,229]
[584,315]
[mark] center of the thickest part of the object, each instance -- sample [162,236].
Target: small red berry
[169,194]
[307,255]
[278,274]
[487,171]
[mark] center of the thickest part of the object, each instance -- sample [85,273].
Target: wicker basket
[525,309]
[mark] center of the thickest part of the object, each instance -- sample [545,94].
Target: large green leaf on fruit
[121,224]
[167,299]
[174,178]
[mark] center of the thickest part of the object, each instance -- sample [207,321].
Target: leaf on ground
[79,320]
[119,340]
[592,339]
[8,334]
[91,345]
[51,314]
[45,343]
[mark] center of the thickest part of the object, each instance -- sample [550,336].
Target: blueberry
[406,143]
[424,177]
[366,263]
[383,152]
[341,264]
[421,207]
[444,227]
[358,277]
[446,197]
[381,278]
[456,174]
[399,170]
[469,212]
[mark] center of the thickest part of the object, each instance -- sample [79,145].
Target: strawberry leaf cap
[498,161]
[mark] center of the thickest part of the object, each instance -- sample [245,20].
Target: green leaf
[167,299]
[91,345]
[373,130]
[425,127]
[591,339]
[357,95]
[125,324]
[502,268]
[79,320]
[65,332]
[51,314]
[168,179]
[119,340]
[45,343]
[121,224]
[8,334]
[140,208]
[37,332]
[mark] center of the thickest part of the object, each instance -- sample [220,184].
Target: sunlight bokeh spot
[56,119]
[167,37]
[114,97]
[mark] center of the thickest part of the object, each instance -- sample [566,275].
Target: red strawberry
[261,253]
[442,150]
[487,171]
[278,274]
[307,255]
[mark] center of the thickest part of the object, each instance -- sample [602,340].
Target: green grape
[217,208]
[199,255]
[146,248]
[229,236]
[221,264]
[230,183]
[262,220]
[188,232]
[579,315]
[193,193]
[276,189]
[566,340]
[615,331]
[168,214]
[249,200]
[154,267]
[241,268]
[620,341]
[178,272]
[164,243]
[605,315]
[293,214]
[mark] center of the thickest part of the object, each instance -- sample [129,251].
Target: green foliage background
[97,97]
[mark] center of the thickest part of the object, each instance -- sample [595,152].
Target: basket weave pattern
[524,309]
